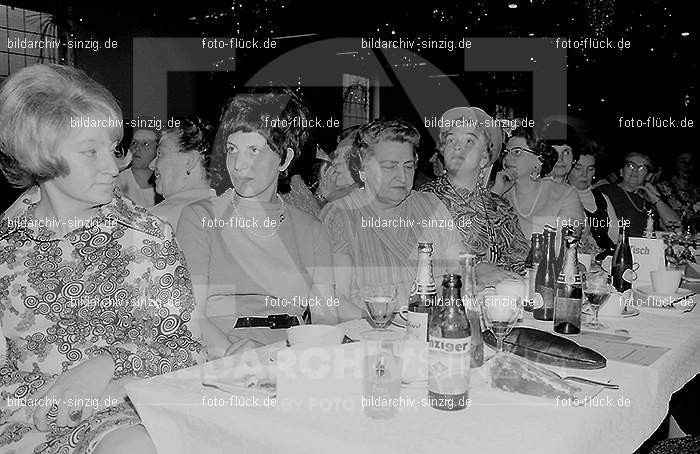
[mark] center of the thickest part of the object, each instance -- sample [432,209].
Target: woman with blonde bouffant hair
[78,263]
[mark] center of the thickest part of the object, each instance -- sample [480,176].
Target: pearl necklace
[274,230]
[534,204]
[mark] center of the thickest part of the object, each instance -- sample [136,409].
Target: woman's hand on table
[488,273]
[75,391]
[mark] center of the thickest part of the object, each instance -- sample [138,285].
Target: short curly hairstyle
[194,134]
[377,131]
[39,106]
[279,115]
[547,154]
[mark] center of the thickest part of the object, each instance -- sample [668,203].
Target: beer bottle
[423,295]
[531,263]
[569,293]
[450,334]
[476,348]
[545,280]
[622,262]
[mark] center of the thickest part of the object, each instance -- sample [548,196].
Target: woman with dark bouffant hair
[181,167]
[536,201]
[252,255]
[567,143]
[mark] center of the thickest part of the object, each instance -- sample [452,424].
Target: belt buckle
[282,321]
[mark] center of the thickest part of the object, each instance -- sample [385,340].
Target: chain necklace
[640,210]
[534,204]
[274,230]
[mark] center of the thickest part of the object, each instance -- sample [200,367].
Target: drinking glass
[380,304]
[500,313]
[382,373]
[597,286]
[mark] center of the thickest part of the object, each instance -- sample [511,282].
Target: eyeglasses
[634,167]
[144,144]
[517,151]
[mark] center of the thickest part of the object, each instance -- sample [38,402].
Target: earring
[534,175]
[444,171]
[188,172]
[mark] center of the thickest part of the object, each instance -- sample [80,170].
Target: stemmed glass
[597,286]
[380,304]
[500,313]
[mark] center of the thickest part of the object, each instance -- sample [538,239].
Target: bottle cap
[451,280]
[425,246]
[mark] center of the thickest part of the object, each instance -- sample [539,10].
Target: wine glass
[500,313]
[597,286]
[380,304]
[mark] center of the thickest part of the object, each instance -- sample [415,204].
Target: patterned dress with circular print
[117,285]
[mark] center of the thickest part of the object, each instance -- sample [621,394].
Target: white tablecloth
[174,411]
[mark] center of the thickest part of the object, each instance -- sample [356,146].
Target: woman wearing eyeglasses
[536,201]
[135,177]
[634,195]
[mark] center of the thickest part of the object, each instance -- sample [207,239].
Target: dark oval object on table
[546,348]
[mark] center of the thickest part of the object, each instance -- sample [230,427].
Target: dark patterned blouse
[118,286]
[686,203]
[488,224]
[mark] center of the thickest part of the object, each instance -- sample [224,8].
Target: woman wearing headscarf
[469,144]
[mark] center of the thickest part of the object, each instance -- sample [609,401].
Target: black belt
[274,321]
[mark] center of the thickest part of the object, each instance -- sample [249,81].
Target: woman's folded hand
[76,393]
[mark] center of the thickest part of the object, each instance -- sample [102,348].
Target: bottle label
[416,325]
[423,289]
[449,365]
[544,297]
[569,280]
[629,275]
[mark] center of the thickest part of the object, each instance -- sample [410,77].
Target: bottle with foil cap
[449,349]
[622,264]
[545,281]
[531,263]
[423,295]
[469,295]
[568,296]
[565,232]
